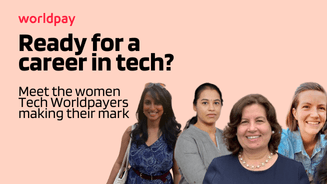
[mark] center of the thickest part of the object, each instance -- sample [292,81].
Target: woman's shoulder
[286,132]
[130,128]
[294,168]
[286,136]
[187,136]
[219,131]
[288,162]
[226,159]
[292,137]
[223,164]
[190,138]
[290,143]
[323,140]
[221,169]
[126,135]
[191,131]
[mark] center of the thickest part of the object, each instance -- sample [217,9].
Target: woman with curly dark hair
[253,135]
[153,140]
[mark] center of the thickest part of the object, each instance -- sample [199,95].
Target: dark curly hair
[168,125]
[235,118]
[291,122]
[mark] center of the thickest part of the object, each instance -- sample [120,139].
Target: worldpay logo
[49,19]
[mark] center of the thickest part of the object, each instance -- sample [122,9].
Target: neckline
[202,130]
[207,135]
[299,146]
[153,142]
[258,171]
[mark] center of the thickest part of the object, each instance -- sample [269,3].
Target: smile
[313,122]
[253,137]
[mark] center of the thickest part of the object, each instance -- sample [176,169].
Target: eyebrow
[305,103]
[311,104]
[255,118]
[208,99]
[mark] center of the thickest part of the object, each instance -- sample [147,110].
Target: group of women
[252,148]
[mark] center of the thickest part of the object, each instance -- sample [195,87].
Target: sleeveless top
[153,160]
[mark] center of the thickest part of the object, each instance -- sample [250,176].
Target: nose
[252,127]
[211,107]
[152,106]
[314,113]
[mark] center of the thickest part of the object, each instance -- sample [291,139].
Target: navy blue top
[228,170]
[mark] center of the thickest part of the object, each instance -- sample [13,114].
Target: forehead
[209,94]
[150,96]
[253,111]
[312,96]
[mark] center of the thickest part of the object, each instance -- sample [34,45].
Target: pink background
[242,46]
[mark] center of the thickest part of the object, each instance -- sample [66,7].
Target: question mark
[171,58]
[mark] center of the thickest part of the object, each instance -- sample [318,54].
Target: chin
[313,131]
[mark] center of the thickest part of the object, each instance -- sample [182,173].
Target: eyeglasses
[150,84]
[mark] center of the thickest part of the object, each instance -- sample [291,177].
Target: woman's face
[151,109]
[208,106]
[254,131]
[310,112]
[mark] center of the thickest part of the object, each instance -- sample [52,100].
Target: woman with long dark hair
[201,141]
[153,140]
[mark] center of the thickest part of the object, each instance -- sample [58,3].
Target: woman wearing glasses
[153,140]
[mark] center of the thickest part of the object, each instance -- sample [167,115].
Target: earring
[273,132]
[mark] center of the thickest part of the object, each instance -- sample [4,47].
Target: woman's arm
[177,175]
[189,160]
[124,143]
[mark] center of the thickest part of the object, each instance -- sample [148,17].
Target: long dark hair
[168,125]
[197,94]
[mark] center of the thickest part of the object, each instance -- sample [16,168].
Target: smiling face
[151,108]
[254,131]
[311,112]
[208,106]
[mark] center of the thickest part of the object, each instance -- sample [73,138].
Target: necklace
[252,166]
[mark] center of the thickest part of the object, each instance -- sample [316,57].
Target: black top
[228,170]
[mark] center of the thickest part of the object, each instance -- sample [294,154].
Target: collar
[298,143]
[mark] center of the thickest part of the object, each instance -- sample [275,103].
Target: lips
[312,122]
[253,137]
[153,113]
[211,115]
